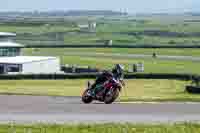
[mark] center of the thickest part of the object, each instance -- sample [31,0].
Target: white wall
[46,67]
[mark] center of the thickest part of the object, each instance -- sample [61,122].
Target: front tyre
[86,98]
[111,96]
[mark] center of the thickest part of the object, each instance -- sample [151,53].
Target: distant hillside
[193,13]
[92,12]
[66,13]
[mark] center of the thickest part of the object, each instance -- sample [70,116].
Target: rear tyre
[111,96]
[86,98]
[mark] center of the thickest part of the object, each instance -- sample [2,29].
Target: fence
[94,75]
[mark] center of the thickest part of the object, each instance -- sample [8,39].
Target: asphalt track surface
[46,109]
[139,56]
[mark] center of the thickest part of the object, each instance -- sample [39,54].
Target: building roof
[83,26]
[24,59]
[7,34]
[10,44]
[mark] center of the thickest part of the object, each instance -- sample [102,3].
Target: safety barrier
[111,46]
[94,75]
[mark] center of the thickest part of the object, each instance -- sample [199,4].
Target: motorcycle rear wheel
[86,98]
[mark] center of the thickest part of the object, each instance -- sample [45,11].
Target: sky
[131,6]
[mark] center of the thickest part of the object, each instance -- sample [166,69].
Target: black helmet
[119,68]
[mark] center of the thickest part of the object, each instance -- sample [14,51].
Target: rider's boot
[97,89]
[92,90]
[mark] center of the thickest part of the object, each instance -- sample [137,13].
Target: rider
[117,74]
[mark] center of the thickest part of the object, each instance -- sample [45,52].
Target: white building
[11,61]
[29,64]
[92,25]
[89,26]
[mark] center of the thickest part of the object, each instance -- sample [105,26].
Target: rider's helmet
[118,70]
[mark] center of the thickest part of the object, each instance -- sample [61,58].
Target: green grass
[103,128]
[151,65]
[135,90]
[149,51]
[81,39]
[128,39]
[43,87]
[35,29]
[153,24]
[111,29]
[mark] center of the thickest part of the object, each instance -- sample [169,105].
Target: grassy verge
[151,65]
[63,51]
[104,128]
[129,39]
[135,90]
[110,30]
[35,29]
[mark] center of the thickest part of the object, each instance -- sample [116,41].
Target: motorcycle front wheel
[111,96]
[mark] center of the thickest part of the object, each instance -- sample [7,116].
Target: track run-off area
[162,57]
[49,109]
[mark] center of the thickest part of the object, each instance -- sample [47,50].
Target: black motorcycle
[108,94]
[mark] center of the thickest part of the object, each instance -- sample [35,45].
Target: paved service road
[117,55]
[28,109]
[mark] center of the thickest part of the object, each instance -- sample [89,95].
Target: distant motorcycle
[108,94]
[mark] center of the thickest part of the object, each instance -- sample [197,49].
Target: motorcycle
[108,94]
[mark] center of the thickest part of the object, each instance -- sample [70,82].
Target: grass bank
[97,61]
[62,51]
[103,128]
[150,65]
[122,32]
[135,90]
